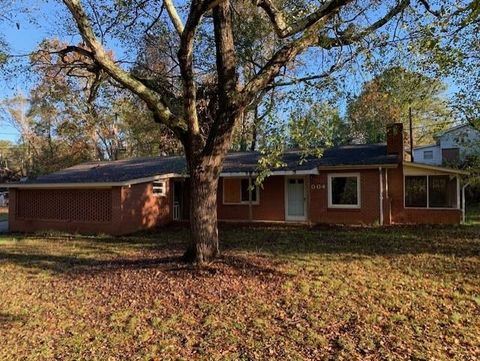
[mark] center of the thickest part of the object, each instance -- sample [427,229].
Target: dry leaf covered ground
[276,293]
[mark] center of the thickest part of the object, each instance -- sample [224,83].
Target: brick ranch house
[354,184]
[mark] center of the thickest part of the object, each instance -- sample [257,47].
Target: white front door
[295,199]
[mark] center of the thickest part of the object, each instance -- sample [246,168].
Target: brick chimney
[395,138]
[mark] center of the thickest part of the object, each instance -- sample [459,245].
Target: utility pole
[411,132]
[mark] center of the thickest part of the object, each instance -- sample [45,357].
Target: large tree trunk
[205,159]
[203,217]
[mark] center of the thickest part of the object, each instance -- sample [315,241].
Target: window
[344,190]
[416,191]
[431,191]
[237,190]
[295,181]
[428,154]
[442,191]
[159,188]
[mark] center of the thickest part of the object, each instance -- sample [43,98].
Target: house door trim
[296,218]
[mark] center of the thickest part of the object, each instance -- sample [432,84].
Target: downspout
[463,202]
[380,180]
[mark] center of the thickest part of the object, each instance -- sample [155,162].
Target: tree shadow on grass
[243,248]
[72,263]
[167,261]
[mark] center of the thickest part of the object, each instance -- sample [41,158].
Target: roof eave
[313,171]
[437,168]
[426,146]
[104,185]
[358,166]
[90,185]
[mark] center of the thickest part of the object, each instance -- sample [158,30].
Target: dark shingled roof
[130,169]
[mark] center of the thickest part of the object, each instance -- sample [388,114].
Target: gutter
[365,166]
[90,185]
[313,171]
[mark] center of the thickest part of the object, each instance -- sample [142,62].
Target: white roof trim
[90,185]
[313,171]
[95,185]
[154,178]
[437,168]
[360,166]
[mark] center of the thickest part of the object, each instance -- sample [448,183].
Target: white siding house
[452,145]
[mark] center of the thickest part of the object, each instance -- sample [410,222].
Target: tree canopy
[388,98]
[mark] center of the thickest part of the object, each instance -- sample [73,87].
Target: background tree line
[62,123]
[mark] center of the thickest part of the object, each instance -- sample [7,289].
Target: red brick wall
[395,139]
[67,210]
[270,208]
[82,205]
[368,212]
[118,210]
[141,209]
[400,214]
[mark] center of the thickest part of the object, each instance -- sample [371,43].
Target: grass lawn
[277,293]
[473,215]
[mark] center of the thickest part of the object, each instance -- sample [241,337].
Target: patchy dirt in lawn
[275,294]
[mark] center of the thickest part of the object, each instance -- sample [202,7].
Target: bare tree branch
[155,103]
[283,29]
[185,55]
[427,7]
[227,80]
[325,74]
[312,37]
[348,39]
[174,17]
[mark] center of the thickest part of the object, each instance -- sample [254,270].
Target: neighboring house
[453,145]
[355,184]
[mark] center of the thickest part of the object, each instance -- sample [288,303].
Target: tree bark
[253,145]
[203,246]
[205,164]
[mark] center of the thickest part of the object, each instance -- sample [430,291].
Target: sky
[30,22]
[23,34]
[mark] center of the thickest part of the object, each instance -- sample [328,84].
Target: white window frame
[430,153]
[331,176]
[257,202]
[159,185]
[428,192]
